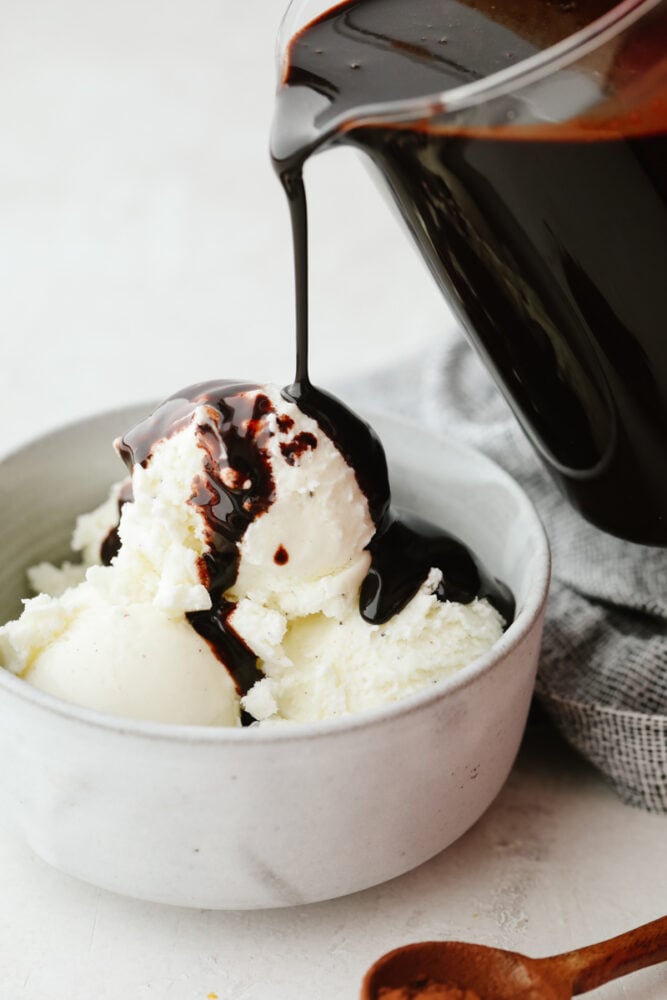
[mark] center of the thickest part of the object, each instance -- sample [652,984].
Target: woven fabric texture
[603,668]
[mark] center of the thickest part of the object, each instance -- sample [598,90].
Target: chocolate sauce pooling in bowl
[549,238]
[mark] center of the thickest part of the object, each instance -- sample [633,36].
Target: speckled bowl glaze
[234,819]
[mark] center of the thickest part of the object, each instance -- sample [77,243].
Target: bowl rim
[286,732]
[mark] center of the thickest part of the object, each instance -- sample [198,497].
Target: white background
[144,245]
[144,238]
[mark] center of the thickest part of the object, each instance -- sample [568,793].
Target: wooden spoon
[495,974]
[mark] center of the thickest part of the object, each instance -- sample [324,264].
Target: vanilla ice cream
[255,572]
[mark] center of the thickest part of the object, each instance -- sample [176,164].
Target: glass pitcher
[537,194]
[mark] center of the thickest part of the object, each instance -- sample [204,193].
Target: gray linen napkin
[603,668]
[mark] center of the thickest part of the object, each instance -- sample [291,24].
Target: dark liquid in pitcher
[550,240]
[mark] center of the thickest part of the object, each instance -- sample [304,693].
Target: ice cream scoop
[138,662]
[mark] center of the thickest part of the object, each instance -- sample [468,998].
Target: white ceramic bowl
[259,818]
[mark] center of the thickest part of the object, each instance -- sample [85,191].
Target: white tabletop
[144,245]
[557,862]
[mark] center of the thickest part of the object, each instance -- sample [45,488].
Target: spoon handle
[589,967]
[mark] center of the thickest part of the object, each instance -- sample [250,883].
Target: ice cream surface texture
[255,571]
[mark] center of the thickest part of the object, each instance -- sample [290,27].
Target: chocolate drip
[234,488]
[300,443]
[281,556]
[403,552]
[404,548]
[214,626]
[110,547]
[236,484]
[354,438]
[224,395]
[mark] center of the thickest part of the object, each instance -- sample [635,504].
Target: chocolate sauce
[403,552]
[505,223]
[404,548]
[281,556]
[294,449]
[111,544]
[235,487]
[550,239]
[354,438]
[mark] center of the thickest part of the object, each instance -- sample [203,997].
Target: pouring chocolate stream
[527,222]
